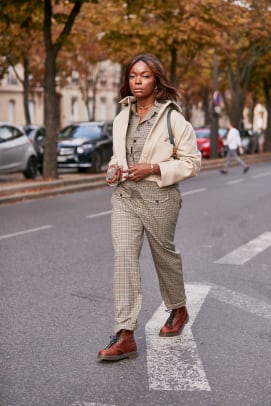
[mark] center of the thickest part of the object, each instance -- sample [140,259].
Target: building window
[102,108]
[75,77]
[74,109]
[11,111]
[116,75]
[103,81]
[11,78]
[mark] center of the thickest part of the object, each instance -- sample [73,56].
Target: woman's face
[142,81]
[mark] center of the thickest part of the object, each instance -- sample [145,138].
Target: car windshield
[203,133]
[91,132]
[29,129]
[30,132]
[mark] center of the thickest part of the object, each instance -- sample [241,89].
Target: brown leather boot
[175,323]
[121,346]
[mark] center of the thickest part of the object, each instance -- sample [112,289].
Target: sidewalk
[14,187]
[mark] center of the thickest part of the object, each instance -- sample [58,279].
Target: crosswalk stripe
[242,301]
[174,363]
[247,251]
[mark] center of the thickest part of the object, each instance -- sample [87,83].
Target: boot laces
[113,340]
[171,317]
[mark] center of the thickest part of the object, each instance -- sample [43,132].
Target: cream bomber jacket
[157,148]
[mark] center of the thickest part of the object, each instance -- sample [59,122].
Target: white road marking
[247,251]
[192,192]
[102,213]
[261,175]
[174,363]
[242,301]
[233,182]
[31,230]
[79,403]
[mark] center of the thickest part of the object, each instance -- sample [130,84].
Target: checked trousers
[143,208]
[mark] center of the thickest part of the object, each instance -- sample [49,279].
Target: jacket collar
[126,101]
[129,100]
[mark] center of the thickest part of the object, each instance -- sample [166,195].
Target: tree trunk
[88,109]
[94,93]
[26,91]
[84,89]
[50,114]
[236,109]
[173,66]
[205,96]
[50,95]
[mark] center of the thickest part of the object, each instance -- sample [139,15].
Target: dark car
[203,135]
[36,133]
[86,146]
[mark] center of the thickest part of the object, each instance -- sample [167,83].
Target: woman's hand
[141,171]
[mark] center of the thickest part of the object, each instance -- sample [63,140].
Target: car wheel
[97,162]
[31,168]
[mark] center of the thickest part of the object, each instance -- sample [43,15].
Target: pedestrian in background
[234,145]
[147,198]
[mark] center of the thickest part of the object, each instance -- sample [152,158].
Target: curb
[34,189]
[26,190]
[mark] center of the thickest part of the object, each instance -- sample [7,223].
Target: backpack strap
[170,133]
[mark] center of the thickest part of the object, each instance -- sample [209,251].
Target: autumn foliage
[52,38]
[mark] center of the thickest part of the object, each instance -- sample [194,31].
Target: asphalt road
[56,301]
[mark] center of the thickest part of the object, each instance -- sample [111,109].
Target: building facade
[94,97]
[89,97]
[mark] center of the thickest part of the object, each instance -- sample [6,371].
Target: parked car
[17,153]
[86,146]
[36,134]
[203,135]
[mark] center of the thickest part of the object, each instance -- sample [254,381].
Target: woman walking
[147,199]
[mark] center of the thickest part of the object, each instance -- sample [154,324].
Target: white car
[17,153]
